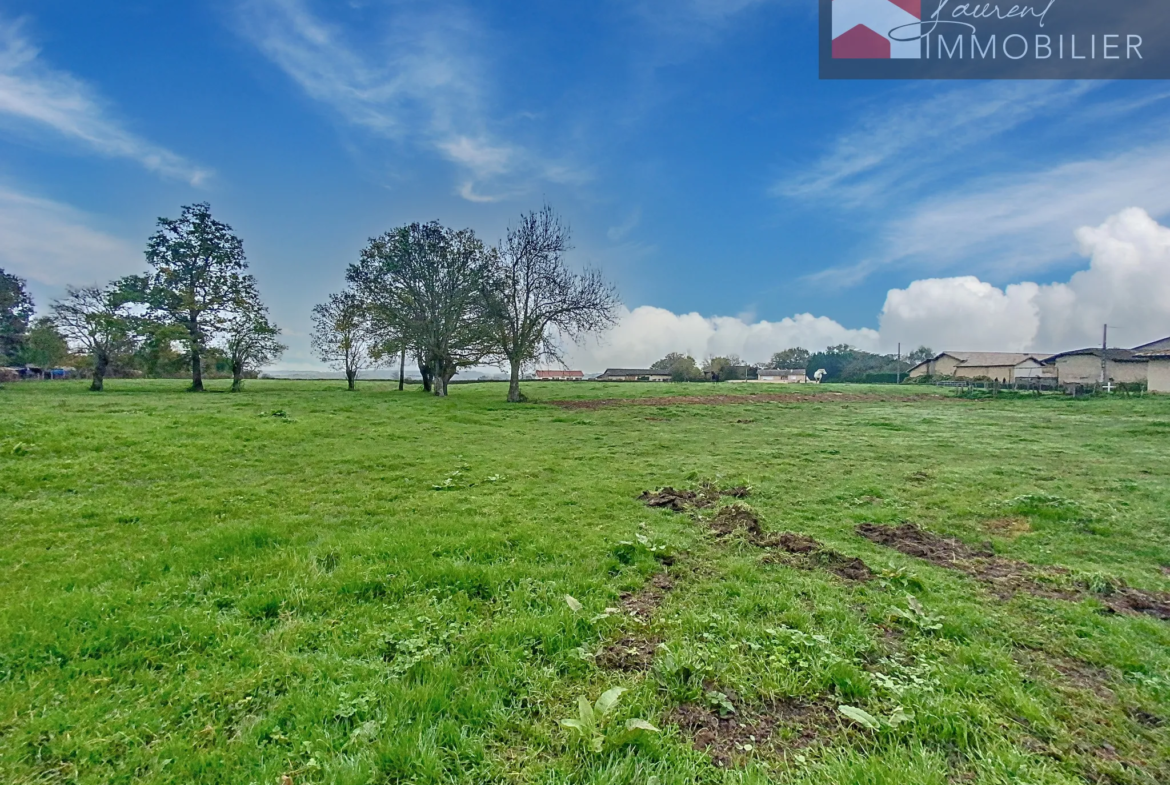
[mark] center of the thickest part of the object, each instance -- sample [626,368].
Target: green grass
[370,588]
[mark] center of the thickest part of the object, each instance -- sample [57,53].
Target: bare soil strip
[1006,577]
[739,400]
[772,728]
[635,652]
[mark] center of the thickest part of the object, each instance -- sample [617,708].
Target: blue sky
[739,203]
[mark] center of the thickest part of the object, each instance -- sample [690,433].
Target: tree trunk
[514,395]
[425,371]
[351,378]
[196,371]
[100,363]
[237,376]
[402,369]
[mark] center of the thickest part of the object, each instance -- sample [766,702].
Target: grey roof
[634,372]
[988,359]
[1113,355]
[1154,348]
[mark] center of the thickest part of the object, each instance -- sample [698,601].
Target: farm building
[560,376]
[1004,367]
[633,375]
[1083,366]
[1157,356]
[784,375]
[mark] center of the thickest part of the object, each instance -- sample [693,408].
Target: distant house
[633,375]
[1084,366]
[784,375]
[1004,367]
[1157,356]
[560,376]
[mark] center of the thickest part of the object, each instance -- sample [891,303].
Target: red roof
[560,374]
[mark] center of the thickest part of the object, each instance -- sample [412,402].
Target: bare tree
[432,279]
[93,319]
[342,336]
[534,299]
[250,339]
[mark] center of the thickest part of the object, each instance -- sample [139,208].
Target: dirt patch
[707,495]
[1006,577]
[630,654]
[805,553]
[643,603]
[736,518]
[1069,672]
[1166,570]
[744,422]
[740,400]
[774,727]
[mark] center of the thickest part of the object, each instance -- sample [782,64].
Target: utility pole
[1104,356]
[899,362]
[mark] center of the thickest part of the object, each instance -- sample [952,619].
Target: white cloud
[619,232]
[54,244]
[427,85]
[646,334]
[1127,285]
[34,97]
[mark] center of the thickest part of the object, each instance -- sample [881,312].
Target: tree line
[196,292]
[448,301]
[841,363]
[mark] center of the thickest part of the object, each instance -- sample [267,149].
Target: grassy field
[297,584]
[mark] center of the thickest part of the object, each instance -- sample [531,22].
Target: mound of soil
[646,601]
[737,518]
[1006,577]
[914,541]
[630,654]
[683,500]
[805,553]
[771,728]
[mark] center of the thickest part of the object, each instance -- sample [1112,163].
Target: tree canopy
[16,312]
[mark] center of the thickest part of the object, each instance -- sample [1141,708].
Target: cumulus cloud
[1126,285]
[35,96]
[646,334]
[53,244]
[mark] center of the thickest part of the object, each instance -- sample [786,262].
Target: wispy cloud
[54,244]
[919,136]
[619,232]
[427,87]
[34,97]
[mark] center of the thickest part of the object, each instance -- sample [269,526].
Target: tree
[44,346]
[534,300]
[681,367]
[790,358]
[920,355]
[197,265]
[16,310]
[724,369]
[93,318]
[432,280]
[250,339]
[342,336]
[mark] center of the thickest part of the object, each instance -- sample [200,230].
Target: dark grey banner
[946,39]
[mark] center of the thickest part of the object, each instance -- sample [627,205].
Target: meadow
[300,584]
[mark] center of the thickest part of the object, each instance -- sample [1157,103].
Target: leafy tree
[920,355]
[433,280]
[93,318]
[197,266]
[16,310]
[534,299]
[250,339]
[724,369]
[342,336]
[44,346]
[681,367]
[790,358]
